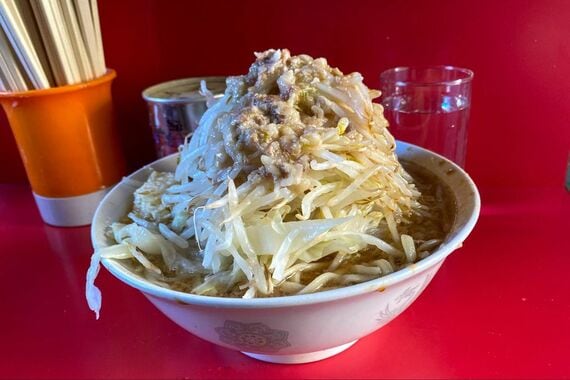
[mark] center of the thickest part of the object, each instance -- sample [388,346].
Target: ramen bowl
[298,328]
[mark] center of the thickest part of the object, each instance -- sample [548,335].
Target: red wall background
[520,52]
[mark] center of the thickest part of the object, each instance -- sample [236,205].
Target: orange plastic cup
[70,146]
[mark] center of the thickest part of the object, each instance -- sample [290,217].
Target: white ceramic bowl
[300,328]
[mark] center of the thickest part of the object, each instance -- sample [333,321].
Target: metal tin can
[175,109]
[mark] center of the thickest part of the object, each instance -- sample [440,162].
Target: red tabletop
[499,307]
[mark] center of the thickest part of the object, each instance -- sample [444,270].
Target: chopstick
[89,29]
[31,26]
[48,43]
[84,63]
[100,64]
[17,33]
[62,58]
[10,74]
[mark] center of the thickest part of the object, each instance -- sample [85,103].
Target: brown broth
[436,197]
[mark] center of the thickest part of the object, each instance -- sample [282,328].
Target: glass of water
[429,107]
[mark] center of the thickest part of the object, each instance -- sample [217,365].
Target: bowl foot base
[301,358]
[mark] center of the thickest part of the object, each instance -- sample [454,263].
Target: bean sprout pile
[289,185]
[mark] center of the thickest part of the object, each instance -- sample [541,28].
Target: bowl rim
[378,284]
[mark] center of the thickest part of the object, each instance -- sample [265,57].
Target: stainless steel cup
[175,109]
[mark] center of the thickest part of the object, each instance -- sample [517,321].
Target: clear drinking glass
[429,107]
